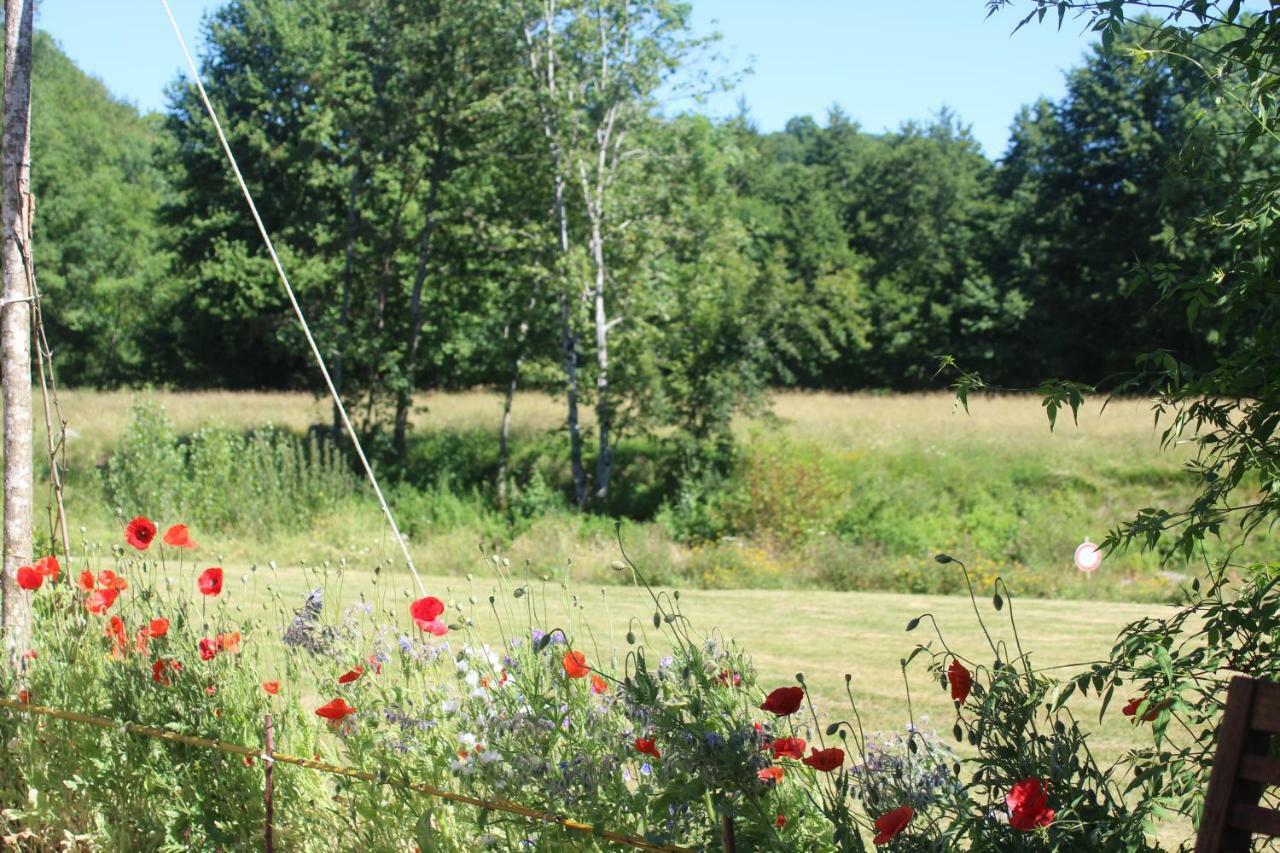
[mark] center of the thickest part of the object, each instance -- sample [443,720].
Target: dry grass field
[844,420]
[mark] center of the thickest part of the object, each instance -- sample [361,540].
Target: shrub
[222,479]
[780,491]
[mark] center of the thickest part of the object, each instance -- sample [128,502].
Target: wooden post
[268,789]
[730,844]
[15,327]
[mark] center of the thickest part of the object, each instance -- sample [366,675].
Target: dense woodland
[474,193]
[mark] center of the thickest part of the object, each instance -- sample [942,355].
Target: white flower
[467,739]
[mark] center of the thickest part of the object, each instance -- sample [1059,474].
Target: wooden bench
[1242,768]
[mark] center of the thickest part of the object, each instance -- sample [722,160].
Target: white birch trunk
[543,73]
[15,327]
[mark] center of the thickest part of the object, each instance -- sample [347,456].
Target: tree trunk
[15,328]
[570,343]
[504,434]
[604,415]
[344,315]
[544,81]
[404,398]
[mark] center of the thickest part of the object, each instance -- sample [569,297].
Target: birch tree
[596,66]
[15,324]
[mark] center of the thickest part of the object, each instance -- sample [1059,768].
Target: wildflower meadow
[670,740]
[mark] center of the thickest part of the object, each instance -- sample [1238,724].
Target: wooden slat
[1256,768]
[1266,709]
[1255,819]
[1215,834]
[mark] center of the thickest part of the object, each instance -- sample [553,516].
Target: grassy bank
[847,492]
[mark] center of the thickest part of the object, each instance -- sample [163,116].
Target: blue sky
[883,61]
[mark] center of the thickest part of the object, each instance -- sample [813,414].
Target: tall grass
[836,491]
[223,479]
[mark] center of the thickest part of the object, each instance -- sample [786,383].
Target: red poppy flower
[770,774]
[86,580]
[140,532]
[335,710]
[375,664]
[210,581]
[108,579]
[158,628]
[729,679]
[115,630]
[141,642]
[780,821]
[100,600]
[47,567]
[825,760]
[271,687]
[30,654]
[1028,805]
[788,747]
[211,690]
[891,823]
[29,578]
[229,642]
[24,697]
[178,537]
[158,671]
[647,747]
[783,701]
[351,675]
[426,615]
[208,648]
[598,685]
[961,681]
[575,664]
[1153,709]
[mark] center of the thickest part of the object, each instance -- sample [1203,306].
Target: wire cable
[293,299]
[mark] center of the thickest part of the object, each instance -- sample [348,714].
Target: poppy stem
[730,844]
[268,786]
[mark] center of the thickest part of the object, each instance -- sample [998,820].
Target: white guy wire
[293,300]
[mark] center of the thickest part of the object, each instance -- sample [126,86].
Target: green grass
[852,491]
[849,492]
[823,635]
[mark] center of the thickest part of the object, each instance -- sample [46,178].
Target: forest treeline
[481,192]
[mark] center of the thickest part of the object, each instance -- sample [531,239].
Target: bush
[222,479]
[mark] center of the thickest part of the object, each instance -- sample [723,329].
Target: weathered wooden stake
[268,789]
[730,845]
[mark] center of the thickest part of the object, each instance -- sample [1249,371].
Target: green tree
[922,211]
[1103,188]
[788,189]
[596,67]
[97,252]
[359,126]
[232,325]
